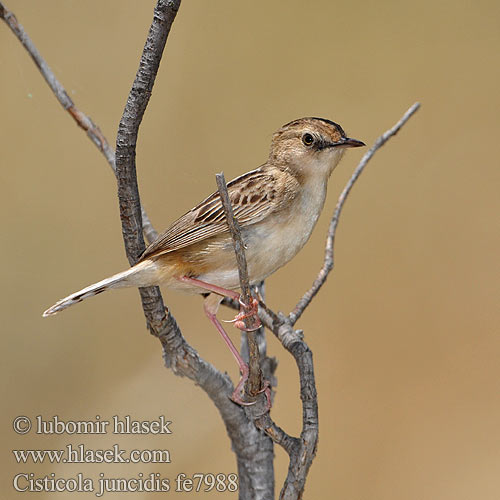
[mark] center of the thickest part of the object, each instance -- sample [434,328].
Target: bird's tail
[141,274]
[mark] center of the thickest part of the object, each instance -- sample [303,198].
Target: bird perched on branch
[277,206]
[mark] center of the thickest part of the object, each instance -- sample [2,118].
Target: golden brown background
[405,333]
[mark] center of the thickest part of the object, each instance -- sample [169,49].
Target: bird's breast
[276,240]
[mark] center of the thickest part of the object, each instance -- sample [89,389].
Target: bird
[277,206]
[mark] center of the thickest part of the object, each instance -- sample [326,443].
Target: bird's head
[310,147]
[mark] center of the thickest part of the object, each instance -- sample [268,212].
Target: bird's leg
[210,306]
[246,311]
[211,288]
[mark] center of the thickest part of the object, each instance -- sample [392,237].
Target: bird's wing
[253,196]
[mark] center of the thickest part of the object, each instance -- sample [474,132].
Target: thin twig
[254,383]
[82,120]
[329,250]
[304,451]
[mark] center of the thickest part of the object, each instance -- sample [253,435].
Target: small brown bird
[277,206]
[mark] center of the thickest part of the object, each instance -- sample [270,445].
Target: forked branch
[82,120]
[328,262]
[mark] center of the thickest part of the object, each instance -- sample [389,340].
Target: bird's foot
[248,311]
[236,396]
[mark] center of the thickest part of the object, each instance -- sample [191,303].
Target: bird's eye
[307,139]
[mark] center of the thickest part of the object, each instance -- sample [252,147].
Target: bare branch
[81,119]
[160,323]
[254,382]
[235,231]
[329,260]
[253,450]
[128,193]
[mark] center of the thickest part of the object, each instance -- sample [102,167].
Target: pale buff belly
[265,253]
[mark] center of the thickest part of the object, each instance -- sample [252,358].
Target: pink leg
[211,288]
[210,307]
[245,312]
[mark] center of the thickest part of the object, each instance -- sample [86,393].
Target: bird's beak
[346,142]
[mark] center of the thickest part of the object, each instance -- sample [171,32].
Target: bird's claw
[241,326]
[248,311]
[236,396]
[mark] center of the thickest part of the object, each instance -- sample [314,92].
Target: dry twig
[82,120]
[329,261]
[254,383]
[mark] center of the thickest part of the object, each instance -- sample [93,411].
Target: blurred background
[405,333]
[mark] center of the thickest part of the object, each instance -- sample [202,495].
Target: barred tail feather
[141,274]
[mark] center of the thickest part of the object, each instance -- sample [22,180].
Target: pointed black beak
[346,142]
